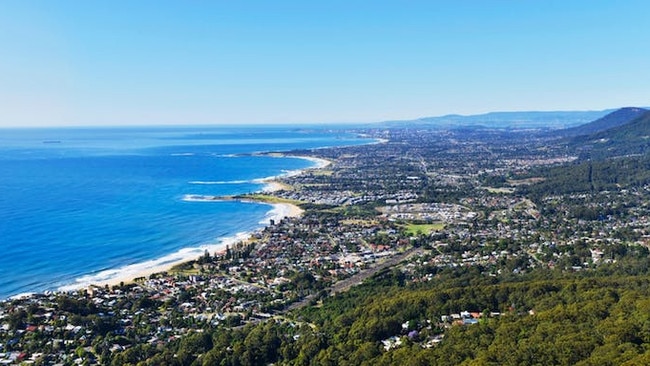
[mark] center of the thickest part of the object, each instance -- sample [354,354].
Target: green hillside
[632,138]
[572,319]
[617,118]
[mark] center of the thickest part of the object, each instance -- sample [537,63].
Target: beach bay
[100,205]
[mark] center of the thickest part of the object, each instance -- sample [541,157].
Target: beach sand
[320,162]
[129,273]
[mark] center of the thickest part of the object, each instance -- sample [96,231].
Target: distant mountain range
[623,132]
[613,152]
[614,119]
[590,134]
[550,120]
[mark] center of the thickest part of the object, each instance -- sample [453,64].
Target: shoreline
[320,162]
[129,273]
[129,267]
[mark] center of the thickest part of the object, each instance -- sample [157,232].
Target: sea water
[79,206]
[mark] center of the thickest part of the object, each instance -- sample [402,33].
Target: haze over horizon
[162,62]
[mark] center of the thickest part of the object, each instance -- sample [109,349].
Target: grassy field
[415,229]
[322,172]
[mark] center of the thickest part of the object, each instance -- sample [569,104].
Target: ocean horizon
[88,205]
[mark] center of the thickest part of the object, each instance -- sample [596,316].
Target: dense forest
[464,315]
[527,262]
[628,139]
[543,318]
[590,176]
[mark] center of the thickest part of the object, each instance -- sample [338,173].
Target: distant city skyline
[77,63]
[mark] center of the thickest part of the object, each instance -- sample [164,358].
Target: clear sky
[146,62]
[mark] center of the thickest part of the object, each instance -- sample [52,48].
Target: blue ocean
[82,205]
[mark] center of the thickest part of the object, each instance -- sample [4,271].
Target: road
[347,283]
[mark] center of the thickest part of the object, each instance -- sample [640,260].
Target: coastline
[156,241]
[129,273]
[319,162]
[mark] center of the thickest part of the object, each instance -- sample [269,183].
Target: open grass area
[322,172]
[415,229]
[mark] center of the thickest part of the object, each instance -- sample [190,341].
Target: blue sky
[231,62]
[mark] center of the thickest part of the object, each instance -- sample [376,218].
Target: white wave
[129,272]
[265,180]
[271,215]
[200,198]
[277,213]
[182,154]
[201,182]
[269,188]
[285,174]
[319,163]
[291,173]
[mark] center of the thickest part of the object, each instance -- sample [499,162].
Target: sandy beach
[129,273]
[320,162]
[288,210]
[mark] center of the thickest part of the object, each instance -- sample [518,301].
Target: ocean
[84,205]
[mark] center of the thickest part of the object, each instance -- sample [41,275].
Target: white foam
[285,174]
[182,154]
[200,198]
[319,163]
[269,187]
[200,182]
[277,213]
[273,214]
[265,180]
[129,272]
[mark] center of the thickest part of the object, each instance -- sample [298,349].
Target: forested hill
[544,318]
[632,138]
[617,118]
[609,159]
[590,176]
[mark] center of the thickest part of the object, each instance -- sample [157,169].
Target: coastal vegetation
[564,320]
[470,247]
[266,198]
